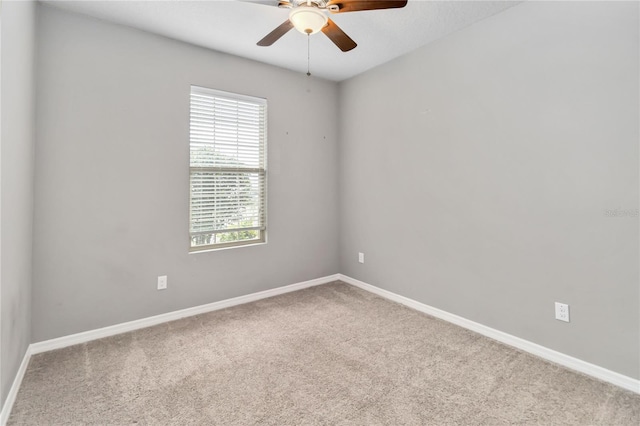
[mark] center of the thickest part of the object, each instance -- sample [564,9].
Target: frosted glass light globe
[308,20]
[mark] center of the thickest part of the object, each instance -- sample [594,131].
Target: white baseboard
[525,345]
[74,339]
[15,386]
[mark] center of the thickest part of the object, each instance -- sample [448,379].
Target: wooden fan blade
[356,5]
[338,37]
[274,35]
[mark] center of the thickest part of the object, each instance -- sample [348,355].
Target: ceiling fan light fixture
[308,20]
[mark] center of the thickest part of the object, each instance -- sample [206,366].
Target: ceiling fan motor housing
[321,4]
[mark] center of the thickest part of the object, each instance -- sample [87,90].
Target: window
[227,169]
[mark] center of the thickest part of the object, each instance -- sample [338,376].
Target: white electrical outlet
[562,312]
[162,282]
[361,257]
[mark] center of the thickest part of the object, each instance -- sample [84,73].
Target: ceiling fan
[310,17]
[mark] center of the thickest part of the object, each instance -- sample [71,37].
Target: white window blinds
[227,169]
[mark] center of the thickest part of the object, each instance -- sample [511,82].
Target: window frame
[260,172]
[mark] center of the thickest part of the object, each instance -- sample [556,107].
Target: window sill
[210,249]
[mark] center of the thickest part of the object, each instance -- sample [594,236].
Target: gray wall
[112,178]
[16,185]
[475,174]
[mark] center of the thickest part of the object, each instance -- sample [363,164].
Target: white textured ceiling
[236,26]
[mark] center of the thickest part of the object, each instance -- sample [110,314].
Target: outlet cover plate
[162,282]
[562,312]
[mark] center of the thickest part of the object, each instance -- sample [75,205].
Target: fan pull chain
[308,55]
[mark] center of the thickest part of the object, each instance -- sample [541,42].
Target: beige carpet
[327,355]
